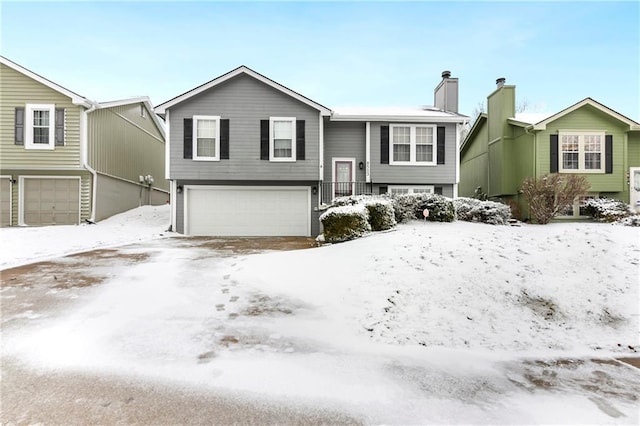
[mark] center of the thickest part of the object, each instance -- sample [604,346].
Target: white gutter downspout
[84,149]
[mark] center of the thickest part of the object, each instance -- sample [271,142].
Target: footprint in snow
[220,307]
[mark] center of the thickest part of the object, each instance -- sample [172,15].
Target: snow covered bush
[552,193]
[633,220]
[474,210]
[345,223]
[410,207]
[381,214]
[350,200]
[605,209]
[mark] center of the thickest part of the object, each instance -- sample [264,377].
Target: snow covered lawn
[428,323]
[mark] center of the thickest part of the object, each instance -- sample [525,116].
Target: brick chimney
[445,95]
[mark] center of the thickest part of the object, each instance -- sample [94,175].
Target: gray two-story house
[247,156]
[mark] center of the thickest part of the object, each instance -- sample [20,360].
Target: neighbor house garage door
[51,201]
[247,211]
[5,200]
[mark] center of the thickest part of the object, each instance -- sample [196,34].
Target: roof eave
[400,118]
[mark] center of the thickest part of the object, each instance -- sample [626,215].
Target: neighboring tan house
[587,138]
[65,159]
[248,156]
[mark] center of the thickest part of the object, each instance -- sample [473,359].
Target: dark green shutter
[59,127]
[300,139]
[188,138]
[264,139]
[19,126]
[553,158]
[384,145]
[608,154]
[224,139]
[440,145]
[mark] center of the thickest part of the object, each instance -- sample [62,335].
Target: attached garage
[5,200]
[247,211]
[50,200]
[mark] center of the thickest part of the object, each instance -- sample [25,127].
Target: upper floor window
[40,126]
[412,144]
[206,139]
[582,152]
[282,144]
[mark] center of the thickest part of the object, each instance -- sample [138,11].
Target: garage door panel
[51,201]
[264,211]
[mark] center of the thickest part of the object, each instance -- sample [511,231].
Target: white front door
[344,176]
[634,188]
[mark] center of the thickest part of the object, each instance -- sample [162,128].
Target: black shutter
[188,138]
[19,126]
[300,139]
[553,158]
[440,147]
[224,139]
[59,127]
[264,139]
[383,189]
[384,145]
[608,153]
[437,190]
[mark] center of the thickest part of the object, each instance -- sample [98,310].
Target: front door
[634,188]
[343,178]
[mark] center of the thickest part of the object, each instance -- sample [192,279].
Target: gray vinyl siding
[427,175]
[244,101]
[344,140]
[315,224]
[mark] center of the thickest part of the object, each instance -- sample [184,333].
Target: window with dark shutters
[224,139]
[59,127]
[264,139]
[440,145]
[188,138]
[300,140]
[384,145]
[19,126]
[553,158]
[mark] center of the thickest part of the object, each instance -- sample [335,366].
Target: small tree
[551,193]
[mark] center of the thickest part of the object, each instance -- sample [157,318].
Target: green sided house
[587,138]
[65,159]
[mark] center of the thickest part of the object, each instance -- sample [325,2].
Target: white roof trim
[401,118]
[542,125]
[140,99]
[404,114]
[75,98]
[160,109]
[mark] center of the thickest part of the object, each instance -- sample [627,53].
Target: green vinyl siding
[124,145]
[17,90]
[474,164]
[633,149]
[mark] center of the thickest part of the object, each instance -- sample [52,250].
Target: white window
[40,126]
[282,143]
[581,152]
[402,189]
[206,139]
[412,144]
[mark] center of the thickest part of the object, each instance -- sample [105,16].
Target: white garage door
[247,211]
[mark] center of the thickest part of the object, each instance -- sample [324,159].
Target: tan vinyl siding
[17,90]
[124,145]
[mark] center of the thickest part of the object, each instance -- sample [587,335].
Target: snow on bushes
[474,210]
[410,206]
[633,220]
[345,223]
[381,214]
[350,200]
[605,209]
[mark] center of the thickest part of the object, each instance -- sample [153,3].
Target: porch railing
[331,190]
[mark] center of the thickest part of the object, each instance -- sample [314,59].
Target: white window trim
[28,123]
[412,145]
[581,151]
[412,189]
[575,206]
[293,139]
[335,160]
[195,155]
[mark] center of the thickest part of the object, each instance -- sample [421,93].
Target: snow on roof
[393,112]
[532,117]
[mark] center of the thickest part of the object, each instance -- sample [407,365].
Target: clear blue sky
[336,53]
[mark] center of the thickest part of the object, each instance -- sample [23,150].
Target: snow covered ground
[428,323]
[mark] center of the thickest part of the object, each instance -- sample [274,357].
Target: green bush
[345,223]
[606,210]
[411,206]
[381,214]
[474,210]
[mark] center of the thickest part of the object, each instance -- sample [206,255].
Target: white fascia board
[75,98]
[400,119]
[587,101]
[160,109]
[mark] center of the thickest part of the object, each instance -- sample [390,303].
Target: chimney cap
[500,81]
[446,74]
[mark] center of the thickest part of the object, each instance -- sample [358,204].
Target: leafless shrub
[552,193]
